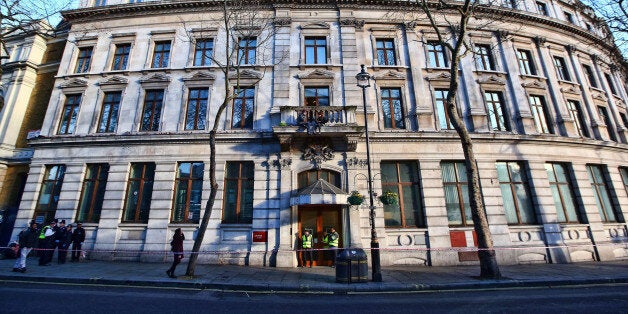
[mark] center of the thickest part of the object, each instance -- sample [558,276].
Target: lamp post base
[375,262]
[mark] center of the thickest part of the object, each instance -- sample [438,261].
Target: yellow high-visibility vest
[307,241]
[333,239]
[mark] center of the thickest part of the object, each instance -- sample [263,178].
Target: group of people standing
[330,246]
[54,236]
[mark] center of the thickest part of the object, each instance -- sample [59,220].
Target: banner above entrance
[320,192]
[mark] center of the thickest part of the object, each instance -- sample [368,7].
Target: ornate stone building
[124,145]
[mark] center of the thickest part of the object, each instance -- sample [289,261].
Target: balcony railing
[334,115]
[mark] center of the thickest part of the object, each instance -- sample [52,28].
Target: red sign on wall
[260,236]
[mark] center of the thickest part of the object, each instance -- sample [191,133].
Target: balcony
[339,129]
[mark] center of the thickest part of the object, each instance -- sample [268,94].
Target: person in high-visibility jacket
[307,242]
[326,245]
[334,238]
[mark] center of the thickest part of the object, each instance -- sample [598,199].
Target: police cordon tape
[455,249]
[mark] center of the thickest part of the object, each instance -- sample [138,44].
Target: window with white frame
[496,111]
[436,56]
[385,48]
[540,113]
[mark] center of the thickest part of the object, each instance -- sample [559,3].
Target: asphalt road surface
[48,298]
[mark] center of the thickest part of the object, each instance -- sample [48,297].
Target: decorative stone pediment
[491,79]
[246,74]
[570,90]
[442,76]
[200,76]
[75,83]
[358,24]
[156,78]
[534,84]
[317,25]
[317,153]
[317,74]
[599,96]
[114,80]
[390,75]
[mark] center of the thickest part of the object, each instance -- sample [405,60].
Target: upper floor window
[151,115]
[239,188]
[70,114]
[402,177]
[243,108]
[513,183]
[562,191]
[187,193]
[93,193]
[436,55]
[109,112]
[196,114]
[496,111]
[573,108]
[161,54]
[484,58]
[609,81]
[84,60]
[456,187]
[601,191]
[624,177]
[392,108]
[49,193]
[203,52]
[624,119]
[526,63]
[316,96]
[569,17]
[561,69]
[607,121]
[440,99]
[385,51]
[539,112]
[139,192]
[121,57]
[541,7]
[246,50]
[100,3]
[588,72]
[315,50]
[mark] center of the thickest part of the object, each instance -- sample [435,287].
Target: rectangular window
[316,96]
[624,119]
[601,190]
[624,177]
[562,191]
[402,178]
[121,57]
[84,60]
[539,112]
[70,114]
[246,50]
[513,183]
[456,187]
[436,55]
[49,193]
[440,98]
[100,3]
[93,193]
[607,121]
[151,115]
[197,109]
[569,17]
[161,54]
[526,64]
[588,72]
[392,108]
[109,113]
[496,111]
[243,108]
[385,51]
[187,193]
[315,50]
[484,58]
[542,8]
[573,107]
[203,52]
[238,206]
[609,81]
[561,69]
[139,193]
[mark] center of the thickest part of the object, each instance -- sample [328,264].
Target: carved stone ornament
[317,153]
[534,84]
[317,74]
[358,24]
[75,83]
[492,79]
[246,74]
[539,41]
[356,162]
[390,75]
[599,96]
[200,76]
[282,21]
[283,163]
[570,90]
[443,76]
[157,78]
[114,80]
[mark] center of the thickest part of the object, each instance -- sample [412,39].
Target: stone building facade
[124,144]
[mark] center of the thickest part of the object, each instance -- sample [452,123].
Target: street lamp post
[363,79]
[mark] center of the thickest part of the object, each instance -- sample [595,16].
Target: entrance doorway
[319,219]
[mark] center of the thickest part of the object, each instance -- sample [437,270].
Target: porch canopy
[320,192]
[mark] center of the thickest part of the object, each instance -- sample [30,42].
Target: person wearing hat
[64,235]
[28,240]
[47,243]
[59,237]
[78,237]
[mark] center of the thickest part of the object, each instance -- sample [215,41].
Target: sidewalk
[317,279]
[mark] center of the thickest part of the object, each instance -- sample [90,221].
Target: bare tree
[614,17]
[242,25]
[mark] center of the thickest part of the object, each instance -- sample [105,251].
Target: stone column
[284,256]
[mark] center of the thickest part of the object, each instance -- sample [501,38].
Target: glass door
[318,219]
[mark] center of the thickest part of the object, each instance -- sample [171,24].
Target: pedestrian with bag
[177,250]
[28,240]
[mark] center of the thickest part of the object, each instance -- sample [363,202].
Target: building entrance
[319,219]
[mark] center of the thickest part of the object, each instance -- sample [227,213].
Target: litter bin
[351,266]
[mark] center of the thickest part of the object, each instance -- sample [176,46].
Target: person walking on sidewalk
[333,244]
[47,243]
[306,246]
[177,250]
[78,237]
[28,240]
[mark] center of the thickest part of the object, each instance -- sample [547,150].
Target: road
[65,298]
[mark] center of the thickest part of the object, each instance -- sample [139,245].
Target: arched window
[310,176]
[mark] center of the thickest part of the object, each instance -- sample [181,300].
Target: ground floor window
[139,193]
[456,187]
[238,199]
[601,191]
[49,193]
[513,183]
[187,194]
[93,193]
[562,191]
[402,178]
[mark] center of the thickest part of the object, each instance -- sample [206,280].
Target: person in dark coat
[177,250]
[78,237]
[28,240]
[47,243]
[65,238]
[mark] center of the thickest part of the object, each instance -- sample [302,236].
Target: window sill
[132,226]
[224,225]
